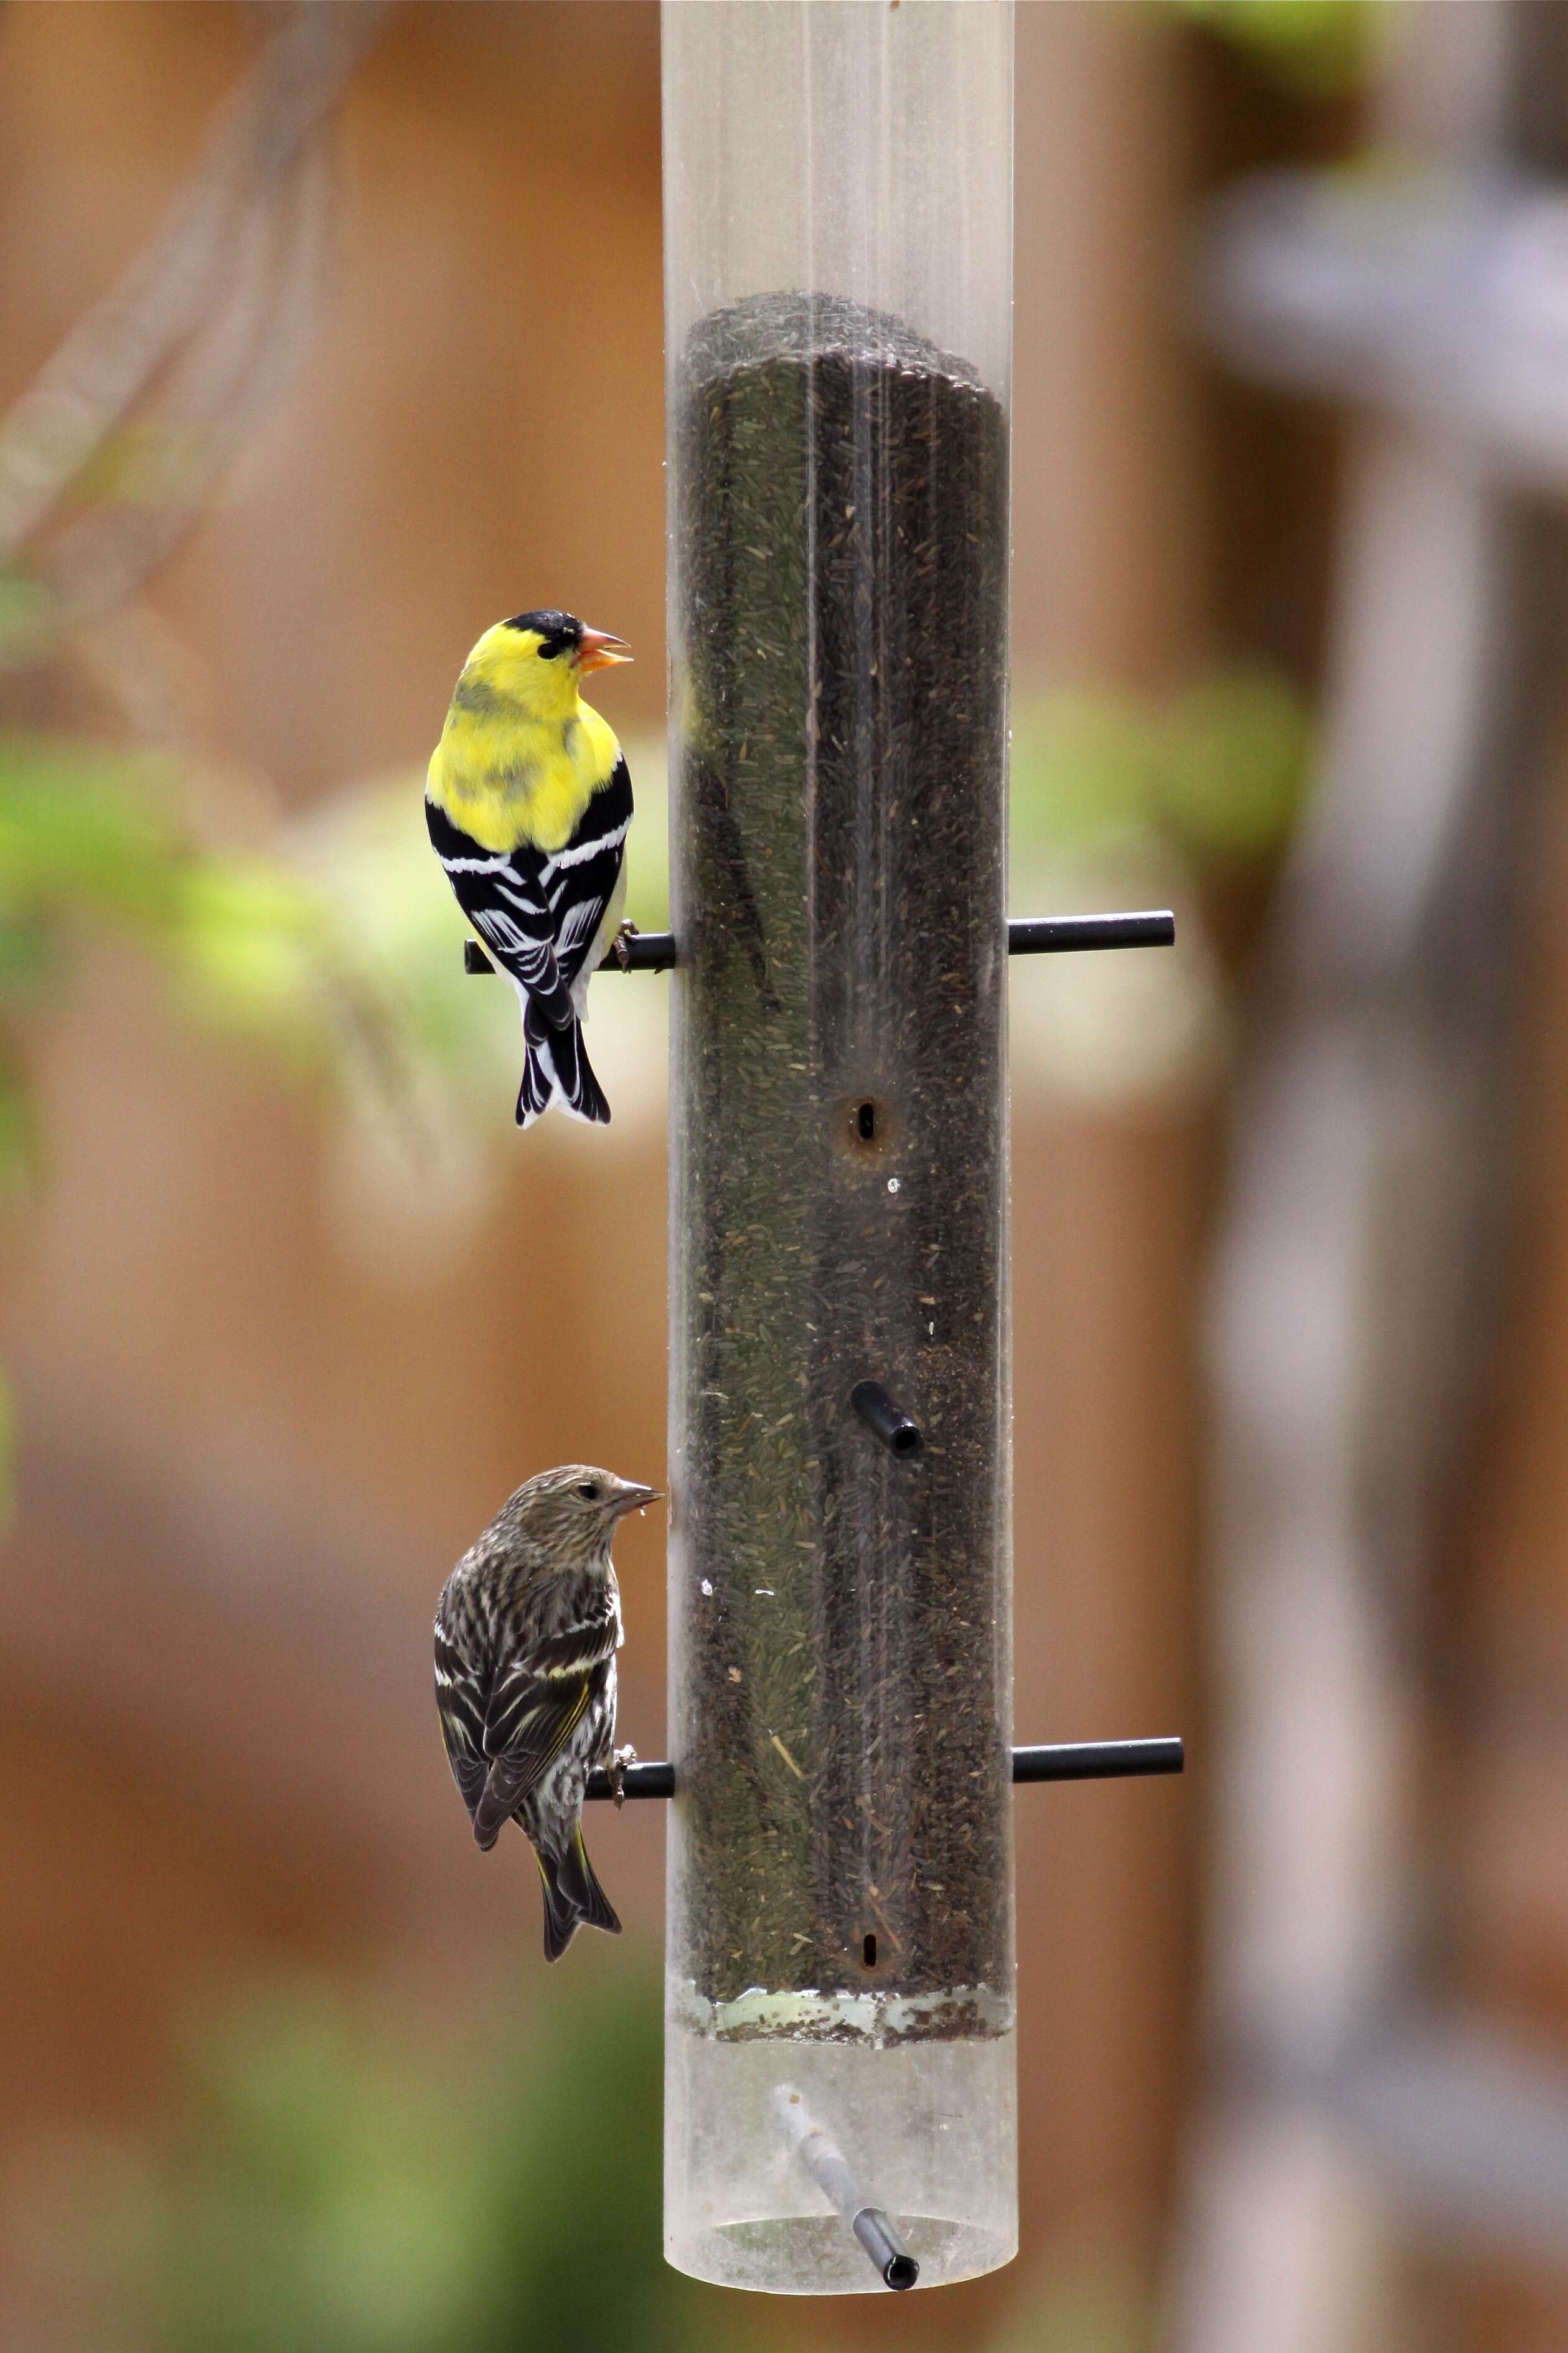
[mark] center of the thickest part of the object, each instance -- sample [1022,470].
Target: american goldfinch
[528,803]
[527,1629]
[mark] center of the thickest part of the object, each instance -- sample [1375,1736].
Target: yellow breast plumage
[508,778]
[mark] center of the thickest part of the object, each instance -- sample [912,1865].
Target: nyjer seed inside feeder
[840,1907]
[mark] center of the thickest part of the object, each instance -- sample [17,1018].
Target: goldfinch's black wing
[537,1703]
[503,895]
[579,881]
[462,1697]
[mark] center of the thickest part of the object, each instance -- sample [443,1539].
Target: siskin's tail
[556,1068]
[572,1897]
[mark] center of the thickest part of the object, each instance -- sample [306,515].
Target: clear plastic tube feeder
[840,2070]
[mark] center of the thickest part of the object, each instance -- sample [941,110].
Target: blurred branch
[216,388]
[211,279]
[1355,1309]
[106,463]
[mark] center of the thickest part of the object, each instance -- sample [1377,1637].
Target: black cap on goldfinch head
[563,633]
[558,633]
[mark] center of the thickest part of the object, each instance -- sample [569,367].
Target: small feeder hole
[906,1442]
[868,1952]
[864,1126]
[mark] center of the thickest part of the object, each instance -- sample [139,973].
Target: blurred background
[332,332]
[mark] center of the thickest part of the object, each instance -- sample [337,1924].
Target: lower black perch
[1062,1760]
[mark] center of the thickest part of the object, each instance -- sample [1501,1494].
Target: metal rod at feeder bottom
[871,2224]
[929,2121]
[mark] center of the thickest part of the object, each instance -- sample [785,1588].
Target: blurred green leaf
[1082,771]
[252,945]
[1322,48]
[323,2195]
[1232,765]
[334,2188]
[577,2181]
[89,840]
[1216,772]
[82,832]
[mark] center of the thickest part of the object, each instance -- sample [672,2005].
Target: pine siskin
[527,1629]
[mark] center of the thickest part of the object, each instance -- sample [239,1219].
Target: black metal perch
[1062,1760]
[1154,927]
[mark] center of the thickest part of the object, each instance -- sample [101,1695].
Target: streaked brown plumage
[527,1629]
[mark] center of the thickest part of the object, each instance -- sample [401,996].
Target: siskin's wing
[462,1697]
[504,896]
[536,1705]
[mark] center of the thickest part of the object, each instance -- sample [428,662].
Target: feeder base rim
[962,2014]
[814,2255]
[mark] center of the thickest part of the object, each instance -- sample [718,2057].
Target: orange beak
[599,650]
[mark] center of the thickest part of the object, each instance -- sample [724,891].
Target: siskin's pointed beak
[632,1498]
[598,650]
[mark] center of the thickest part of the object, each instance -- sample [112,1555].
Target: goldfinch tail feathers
[572,1897]
[556,1068]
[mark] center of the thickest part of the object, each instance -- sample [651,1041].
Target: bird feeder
[839,2077]
[839,1957]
